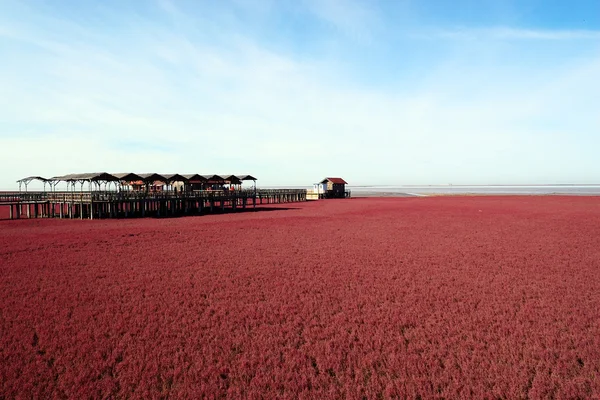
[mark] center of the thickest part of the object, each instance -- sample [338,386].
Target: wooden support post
[11,211]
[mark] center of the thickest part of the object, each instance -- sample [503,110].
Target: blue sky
[391,92]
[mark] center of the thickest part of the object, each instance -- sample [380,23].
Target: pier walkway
[127,204]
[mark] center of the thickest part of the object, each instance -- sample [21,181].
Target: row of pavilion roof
[147,177]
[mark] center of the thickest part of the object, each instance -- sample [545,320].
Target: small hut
[334,188]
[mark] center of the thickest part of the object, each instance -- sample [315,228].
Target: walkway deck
[111,204]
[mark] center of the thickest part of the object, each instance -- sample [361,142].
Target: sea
[428,190]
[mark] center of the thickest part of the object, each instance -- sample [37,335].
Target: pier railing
[14,197]
[101,196]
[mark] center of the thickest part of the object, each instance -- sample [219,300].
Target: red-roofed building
[334,187]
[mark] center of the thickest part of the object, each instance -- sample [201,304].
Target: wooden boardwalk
[128,204]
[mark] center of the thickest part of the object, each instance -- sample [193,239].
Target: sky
[400,92]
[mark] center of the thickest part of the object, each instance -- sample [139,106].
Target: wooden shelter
[147,182]
[334,188]
[194,182]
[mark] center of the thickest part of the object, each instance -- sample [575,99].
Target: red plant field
[454,297]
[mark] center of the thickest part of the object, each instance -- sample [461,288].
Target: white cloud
[351,17]
[508,33]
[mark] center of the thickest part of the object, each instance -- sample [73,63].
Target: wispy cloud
[351,17]
[507,33]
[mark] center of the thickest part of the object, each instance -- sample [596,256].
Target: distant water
[424,190]
[484,190]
